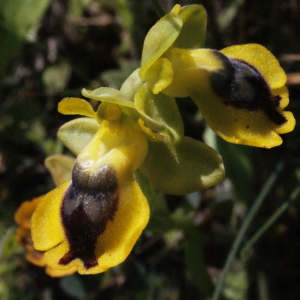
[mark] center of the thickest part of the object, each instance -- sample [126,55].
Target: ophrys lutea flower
[92,222]
[239,90]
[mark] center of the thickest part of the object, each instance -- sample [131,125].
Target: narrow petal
[76,106]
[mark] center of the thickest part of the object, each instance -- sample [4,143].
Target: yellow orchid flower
[92,222]
[196,165]
[239,90]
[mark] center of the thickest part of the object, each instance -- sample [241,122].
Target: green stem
[158,8]
[240,235]
[245,250]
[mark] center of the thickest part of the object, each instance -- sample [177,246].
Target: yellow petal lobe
[119,237]
[47,229]
[240,126]
[262,59]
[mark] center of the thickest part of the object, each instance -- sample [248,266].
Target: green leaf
[159,38]
[60,166]
[76,134]
[198,167]
[193,32]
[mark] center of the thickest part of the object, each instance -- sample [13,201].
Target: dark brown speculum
[89,203]
[241,85]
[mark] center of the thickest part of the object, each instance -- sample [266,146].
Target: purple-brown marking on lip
[241,85]
[89,203]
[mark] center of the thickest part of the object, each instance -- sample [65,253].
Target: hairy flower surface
[239,90]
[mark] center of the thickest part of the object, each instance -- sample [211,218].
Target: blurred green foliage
[51,49]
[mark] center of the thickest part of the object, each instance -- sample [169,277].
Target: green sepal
[60,167]
[159,38]
[160,113]
[193,32]
[131,85]
[76,134]
[198,167]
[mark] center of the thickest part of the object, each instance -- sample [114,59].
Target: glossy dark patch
[242,86]
[89,203]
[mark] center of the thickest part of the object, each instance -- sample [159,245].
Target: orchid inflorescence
[92,220]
